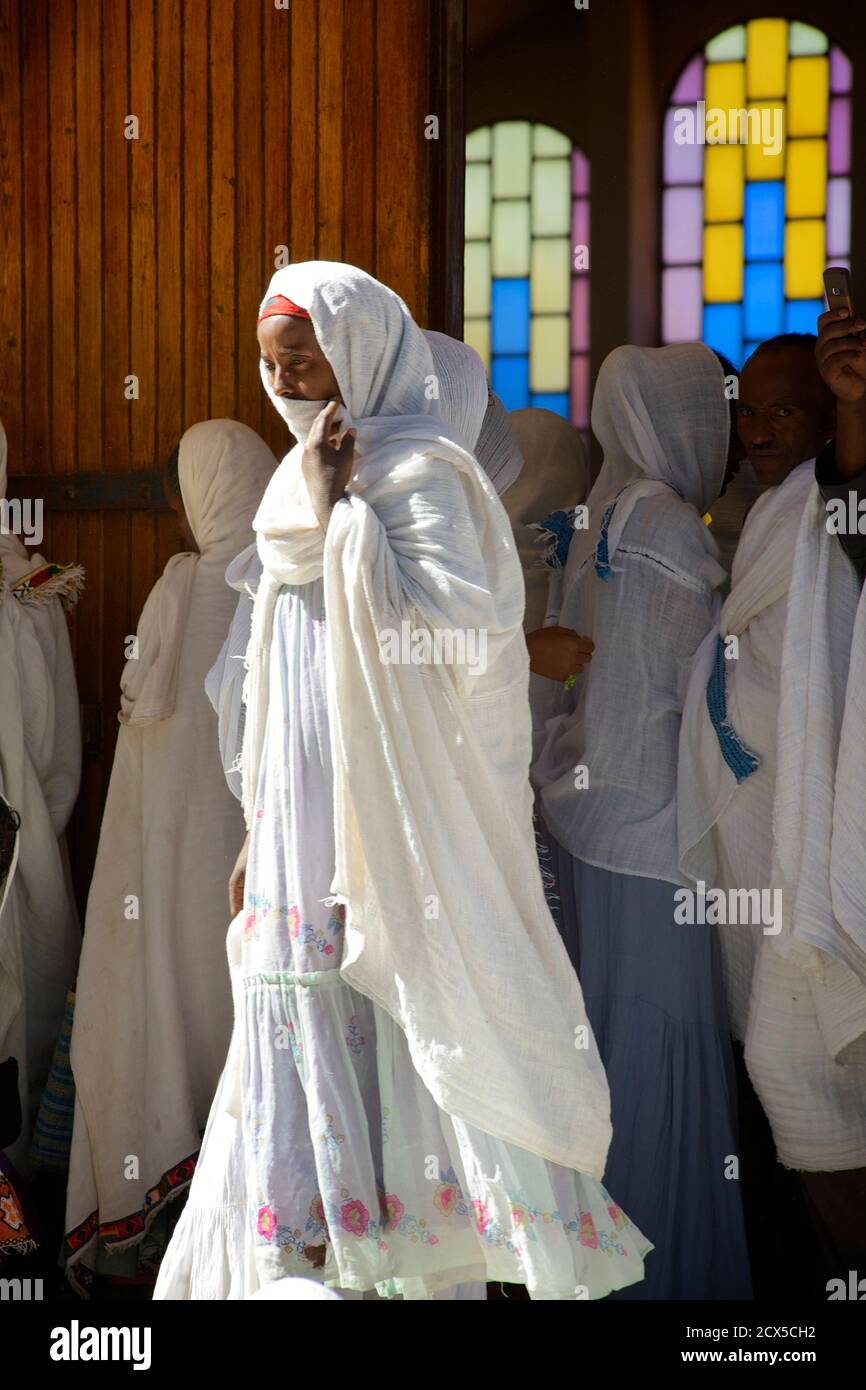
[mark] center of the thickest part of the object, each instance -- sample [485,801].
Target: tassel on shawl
[740,759]
[65,582]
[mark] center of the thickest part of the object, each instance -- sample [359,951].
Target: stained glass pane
[477,200]
[580,392]
[682,225]
[748,349]
[510,381]
[691,84]
[551,197]
[764,300]
[804,259]
[726,85]
[580,227]
[551,275]
[802,38]
[549,354]
[723,263]
[801,315]
[546,140]
[510,316]
[557,401]
[476,332]
[840,71]
[765,221]
[838,217]
[723,331]
[476,278]
[765,152]
[580,313]
[806,182]
[579,174]
[766,57]
[479,144]
[684,163]
[808,80]
[731,43]
[840,135]
[723,183]
[512,159]
[681,305]
[510,238]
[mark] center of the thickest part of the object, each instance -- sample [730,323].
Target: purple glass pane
[838,217]
[579,174]
[579,224]
[580,392]
[840,71]
[682,226]
[691,84]
[839,152]
[683,163]
[580,314]
[681,305]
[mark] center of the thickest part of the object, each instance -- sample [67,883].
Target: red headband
[278,304]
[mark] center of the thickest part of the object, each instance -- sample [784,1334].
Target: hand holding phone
[840,351]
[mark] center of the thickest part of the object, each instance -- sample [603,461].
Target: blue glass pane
[801,315]
[557,401]
[511,381]
[764,220]
[723,329]
[749,349]
[764,297]
[510,315]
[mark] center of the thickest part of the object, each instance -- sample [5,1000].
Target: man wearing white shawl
[153,1005]
[412,1098]
[40,769]
[641,581]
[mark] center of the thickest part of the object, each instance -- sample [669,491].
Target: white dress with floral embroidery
[325,1155]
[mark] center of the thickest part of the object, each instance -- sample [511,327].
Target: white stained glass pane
[551,276]
[478,144]
[476,279]
[803,38]
[476,332]
[510,237]
[546,140]
[477,200]
[551,198]
[512,159]
[728,46]
[548,354]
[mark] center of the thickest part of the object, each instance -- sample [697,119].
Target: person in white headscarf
[40,769]
[412,1099]
[153,1003]
[641,581]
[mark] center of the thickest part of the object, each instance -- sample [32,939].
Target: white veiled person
[153,1002]
[403,1098]
[40,769]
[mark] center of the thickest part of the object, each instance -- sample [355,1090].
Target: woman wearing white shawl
[40,768]
[642,582]
[153,1007]
[404,1105]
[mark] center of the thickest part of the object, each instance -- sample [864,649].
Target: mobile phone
[837,284]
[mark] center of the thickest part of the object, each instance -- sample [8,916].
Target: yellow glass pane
[723,183]
[476,332]
[476,279]
[808,88]
[765,151]
[546,140]
[551,276]
[723,264]
[766,57]
[512,159]
[725,85]
[804,260]
[477,200]
[510,239]
[551,197]
[548,354]
[478,144]
[806,179]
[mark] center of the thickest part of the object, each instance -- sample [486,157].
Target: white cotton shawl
[447,926]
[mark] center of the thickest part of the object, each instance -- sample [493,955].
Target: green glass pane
[551,276]
[512,157]
[549,360]
[476,279]
[477,200]
[478,144]
[803,39]
[551,197]
[510,241]
[546,140]
[728,46]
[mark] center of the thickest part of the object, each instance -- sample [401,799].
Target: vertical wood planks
[251,263]
[60,350]
[223,245]
[168,222]
[144,245]
[35,415]
[11,249]
[89,128]
[116,278]
[195,213]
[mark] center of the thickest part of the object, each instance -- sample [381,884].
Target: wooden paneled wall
[259,126]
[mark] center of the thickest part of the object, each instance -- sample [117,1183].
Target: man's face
[785,413]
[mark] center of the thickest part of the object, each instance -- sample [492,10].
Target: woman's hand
[841,354]
[237,879]
[327,465]
[558,652]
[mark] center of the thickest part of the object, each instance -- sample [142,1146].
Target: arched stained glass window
[749,228]
[527,265]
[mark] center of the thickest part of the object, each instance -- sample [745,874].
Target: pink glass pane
[580,392]
[840,71]
[838,217]
[683,163]
[579,174]
[580,314]
[681,305]
[682,226]
[691,84]
[839,152]
[579,224]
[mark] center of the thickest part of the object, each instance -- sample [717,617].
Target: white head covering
[474,410]
[498,451]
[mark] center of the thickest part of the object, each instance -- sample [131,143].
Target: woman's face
[296,367]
